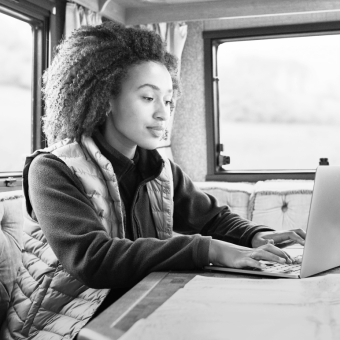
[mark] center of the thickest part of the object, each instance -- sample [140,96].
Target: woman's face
[139,114]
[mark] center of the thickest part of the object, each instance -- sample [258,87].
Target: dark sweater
[72,228]
[130,175]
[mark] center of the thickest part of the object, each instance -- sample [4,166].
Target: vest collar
[149,162]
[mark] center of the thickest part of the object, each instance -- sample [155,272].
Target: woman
[101,202]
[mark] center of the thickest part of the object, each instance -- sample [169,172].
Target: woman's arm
[197,212]
[81,244]
[233,236]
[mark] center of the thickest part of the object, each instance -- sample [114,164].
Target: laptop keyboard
[274,267]
[283,268]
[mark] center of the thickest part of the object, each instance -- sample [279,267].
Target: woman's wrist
[212,252]
[223,253]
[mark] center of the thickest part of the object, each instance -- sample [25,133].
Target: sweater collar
[148,162]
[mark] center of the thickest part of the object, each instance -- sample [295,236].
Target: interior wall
[189,141]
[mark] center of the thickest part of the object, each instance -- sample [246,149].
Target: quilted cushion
[281,204]
[11,220]
[235,195]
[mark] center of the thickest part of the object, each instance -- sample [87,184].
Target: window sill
[254,176]
[10,181]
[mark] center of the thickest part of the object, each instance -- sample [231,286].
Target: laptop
[321,251]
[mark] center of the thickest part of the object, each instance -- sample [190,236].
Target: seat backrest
[235,195]
[278,204]
[281,204]
[11,222]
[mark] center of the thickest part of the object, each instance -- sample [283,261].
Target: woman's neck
[113,137]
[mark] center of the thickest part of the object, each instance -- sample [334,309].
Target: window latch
[222,159]
[323,161]
[9,182]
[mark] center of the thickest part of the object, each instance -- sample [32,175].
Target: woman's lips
[156,131]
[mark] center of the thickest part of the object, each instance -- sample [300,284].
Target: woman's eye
[149,99]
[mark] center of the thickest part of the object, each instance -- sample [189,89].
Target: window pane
[280,102]
[16,45]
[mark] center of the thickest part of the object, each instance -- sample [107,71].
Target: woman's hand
[277,237]
[231,255]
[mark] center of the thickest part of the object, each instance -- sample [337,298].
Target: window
[29,31]
[275,100]
[16,50]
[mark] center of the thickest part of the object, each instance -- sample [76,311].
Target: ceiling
[131,12]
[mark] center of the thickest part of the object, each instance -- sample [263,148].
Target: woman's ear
[112,105]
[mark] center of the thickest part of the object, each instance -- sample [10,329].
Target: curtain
[174,34]
[77,16]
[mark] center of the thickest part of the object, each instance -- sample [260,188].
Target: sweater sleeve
[75,234]
[198,212]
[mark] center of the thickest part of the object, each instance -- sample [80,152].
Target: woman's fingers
[249,262]
[269,252]
[277,251]
[300,236]
[231,255]
[253,258]
[279,237]
[296,235]
[264,254]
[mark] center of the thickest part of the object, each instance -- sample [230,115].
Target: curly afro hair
[88,69]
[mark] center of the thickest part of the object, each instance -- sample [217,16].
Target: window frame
[47,20]
[211,41]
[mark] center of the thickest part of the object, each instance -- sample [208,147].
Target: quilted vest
[47,302]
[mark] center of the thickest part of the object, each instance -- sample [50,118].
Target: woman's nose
[162,112]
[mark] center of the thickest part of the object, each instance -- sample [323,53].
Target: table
[145,298]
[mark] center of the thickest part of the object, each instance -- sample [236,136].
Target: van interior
[259,108]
